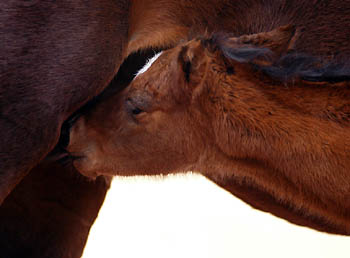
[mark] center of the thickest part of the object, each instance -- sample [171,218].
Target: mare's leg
[54,56]
[49,213]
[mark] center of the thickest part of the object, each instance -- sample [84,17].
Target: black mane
[288,67]
[307,68]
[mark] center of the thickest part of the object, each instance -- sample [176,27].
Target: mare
[56,56]
[249,110]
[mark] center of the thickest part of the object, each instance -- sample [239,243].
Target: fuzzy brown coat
[249,112]
[56,56]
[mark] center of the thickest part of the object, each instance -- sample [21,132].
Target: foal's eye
[134,107]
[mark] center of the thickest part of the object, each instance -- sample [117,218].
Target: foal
[231,108]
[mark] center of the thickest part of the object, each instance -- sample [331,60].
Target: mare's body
[54,57]
[57,55]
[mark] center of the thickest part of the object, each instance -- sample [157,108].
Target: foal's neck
[292,140]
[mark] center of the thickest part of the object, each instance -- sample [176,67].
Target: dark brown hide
[49,214]
[54,56]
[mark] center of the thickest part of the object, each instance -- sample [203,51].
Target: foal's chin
[86,167]
[92,168]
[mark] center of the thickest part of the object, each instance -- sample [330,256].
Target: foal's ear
[192,62]
[279,40]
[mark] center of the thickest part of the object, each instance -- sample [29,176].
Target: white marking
[149,63]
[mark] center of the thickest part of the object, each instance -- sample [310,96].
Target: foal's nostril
[65,130]
[136,111]
[60,152]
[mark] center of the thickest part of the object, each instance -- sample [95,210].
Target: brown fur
[164,23]
[39,37]
[53,58]
[49,214]
[57,55]
[196,109]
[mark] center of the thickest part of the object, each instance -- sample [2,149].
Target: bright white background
[187,216]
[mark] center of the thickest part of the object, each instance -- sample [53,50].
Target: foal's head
[163,122]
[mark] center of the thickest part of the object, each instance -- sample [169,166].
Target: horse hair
[287,67]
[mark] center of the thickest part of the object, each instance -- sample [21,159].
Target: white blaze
[148,63]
